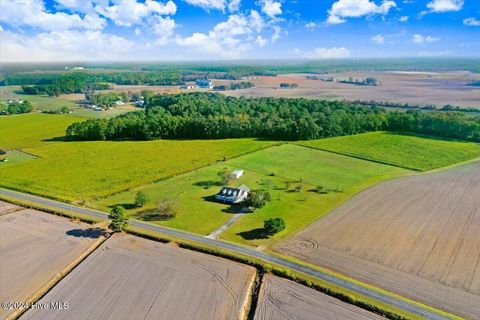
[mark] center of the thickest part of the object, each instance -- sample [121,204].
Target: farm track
[282,299]
[417,236]
[238,249]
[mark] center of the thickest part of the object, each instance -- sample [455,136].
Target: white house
[232,195]
[236,174]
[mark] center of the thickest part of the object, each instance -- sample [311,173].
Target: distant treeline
[409,106]
[361,82]
[234,86]
[214,116]
[15,107]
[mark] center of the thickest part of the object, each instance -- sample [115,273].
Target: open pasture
[419,88]
[36,248]
[84,170]
[416,236]
[32,129]
[133,278]
[282,299]
[271,169]
[39,102]
[408,151]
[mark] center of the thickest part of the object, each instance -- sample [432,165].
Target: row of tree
[16,107]
[234,86]
[214,116]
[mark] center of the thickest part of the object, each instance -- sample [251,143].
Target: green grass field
[408,151]
[39,102]
[32,129]
[84,170]
[289,162]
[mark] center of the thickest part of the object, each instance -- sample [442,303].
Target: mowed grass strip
[84,170]
[408,151]
[32,129]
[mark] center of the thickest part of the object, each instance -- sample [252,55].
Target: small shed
[237,174]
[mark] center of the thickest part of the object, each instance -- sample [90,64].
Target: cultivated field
[268,169]
[133,278]
[417,236]
[82,170]
[408,151]
[36,248]
[422,88]
[33,129]
[281,299]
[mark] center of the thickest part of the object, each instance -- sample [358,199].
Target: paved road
[216,233]
[245,251]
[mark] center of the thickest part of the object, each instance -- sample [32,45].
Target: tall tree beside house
[119,217]
[257,199]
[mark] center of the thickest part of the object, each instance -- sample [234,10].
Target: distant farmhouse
[232,195]
[204,83]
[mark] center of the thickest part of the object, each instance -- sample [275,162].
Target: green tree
[224,176]
[257,199]
[274,225]
[119,217]
[141,199]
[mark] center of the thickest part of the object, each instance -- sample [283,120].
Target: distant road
[403,305]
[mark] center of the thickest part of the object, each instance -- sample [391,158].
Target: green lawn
[32,129]
[15,157]
[408,151]
[289,162]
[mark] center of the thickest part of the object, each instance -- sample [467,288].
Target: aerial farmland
[281,299]
[37,249]
[134,278]
[416,236]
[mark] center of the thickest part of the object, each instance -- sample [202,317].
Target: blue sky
[172,30]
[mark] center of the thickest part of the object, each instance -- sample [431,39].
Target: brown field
[420,88]
[36,248]
[133,278]
[6,208]
[281,299]
[417,236]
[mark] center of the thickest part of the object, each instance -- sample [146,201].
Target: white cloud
[261,41]
[232,5]
[471,22]
[276,34]
[310,25]
[342,9]
[379,39]
[328,53]
[229,38]
[403,18]
[271,8]
[418,38]
[129,12]
[33,13]
[445,5]
[63,45]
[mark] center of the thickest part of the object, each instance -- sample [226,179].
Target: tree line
[214,116]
